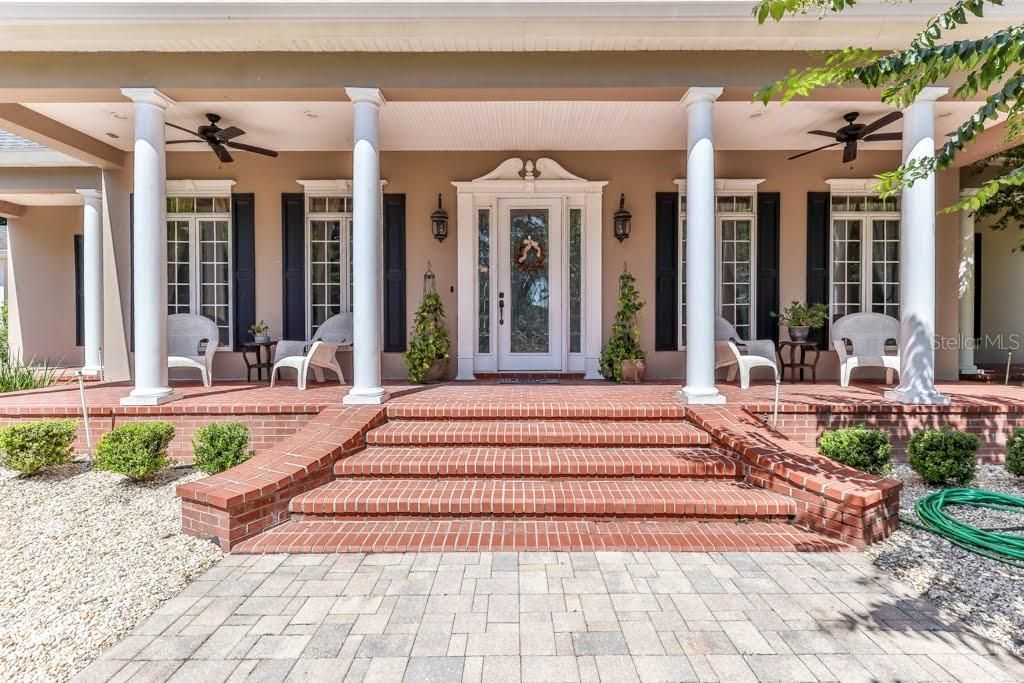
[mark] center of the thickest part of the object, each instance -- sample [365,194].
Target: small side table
[260,365]
[798,359]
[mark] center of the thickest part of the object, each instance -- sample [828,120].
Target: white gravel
[984,593]
[86,556]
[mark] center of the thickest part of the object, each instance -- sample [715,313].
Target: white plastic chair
[318,353]
[760,353]
[868,333]
[192,340]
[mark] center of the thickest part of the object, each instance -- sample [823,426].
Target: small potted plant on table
[622,359]
[430,347]
[260,332]
[800,319]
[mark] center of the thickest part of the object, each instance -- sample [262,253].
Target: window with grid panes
[329,256]
[865,255]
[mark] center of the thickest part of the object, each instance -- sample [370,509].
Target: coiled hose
[1008,548]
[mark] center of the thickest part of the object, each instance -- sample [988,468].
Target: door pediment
[519,176]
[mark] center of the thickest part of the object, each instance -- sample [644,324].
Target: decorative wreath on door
[523,260]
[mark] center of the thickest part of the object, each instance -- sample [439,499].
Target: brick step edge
[543,433]
[612,412]
[535,536]
[382,461]
[547,498]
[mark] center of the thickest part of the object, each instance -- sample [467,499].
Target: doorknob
[501,308]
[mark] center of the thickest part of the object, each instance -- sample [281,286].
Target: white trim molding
[322,188]
[853,185]
[727,185]
[204,188]
[518,176]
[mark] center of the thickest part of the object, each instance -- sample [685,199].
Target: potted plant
[800,319]
[430,347]
[622,359]
[260,332]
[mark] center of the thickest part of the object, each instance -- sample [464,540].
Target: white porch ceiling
[497,125]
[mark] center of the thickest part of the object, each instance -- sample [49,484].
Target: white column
[917,261]
[366,249]
[150,248]
[92,280]
[965,288]
[700,248]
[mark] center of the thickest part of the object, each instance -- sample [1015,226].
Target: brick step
[534,433]
[477,461]
[475,535]
[488,409]
[555,498]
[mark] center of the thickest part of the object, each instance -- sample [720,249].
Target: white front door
[530,294]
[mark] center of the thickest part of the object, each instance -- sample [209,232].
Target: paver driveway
[551,617]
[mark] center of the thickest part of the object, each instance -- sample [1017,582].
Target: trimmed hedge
[1015,453]
[137,449]
[220,446]
[864,449]
[944,455]
[28,447]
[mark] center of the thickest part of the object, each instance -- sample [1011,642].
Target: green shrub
[1015,453]
[943,455]
[30,446]
[136,449]
[220,446]
[865,449]
[16,376]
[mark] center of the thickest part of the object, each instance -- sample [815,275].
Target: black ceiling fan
[852,133]
[219,139]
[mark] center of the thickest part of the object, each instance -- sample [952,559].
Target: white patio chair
[867,333]
[192,340]
[757,353]
[335,332]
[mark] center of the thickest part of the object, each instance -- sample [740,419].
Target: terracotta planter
[633,371]
[799,333]
[438,371]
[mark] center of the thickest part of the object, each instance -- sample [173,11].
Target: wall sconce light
[622,220]
[439,221]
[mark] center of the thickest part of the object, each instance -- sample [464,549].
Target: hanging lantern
[622,219]
[439,222]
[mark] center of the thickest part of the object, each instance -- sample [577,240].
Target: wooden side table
[798,359]
[260,365]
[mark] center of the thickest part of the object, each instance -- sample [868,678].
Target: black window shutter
[243,216]
[293,233]
[666,265]
[817,257]
[768,219]
[394,273]
[79,291]
[977,286]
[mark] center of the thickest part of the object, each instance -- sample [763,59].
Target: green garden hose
[1008,548]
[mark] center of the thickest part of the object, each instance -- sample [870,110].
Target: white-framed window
[735,255]
[328,250]
[200,271]
[864,250]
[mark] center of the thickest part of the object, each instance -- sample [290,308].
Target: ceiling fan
[852,133]
[219,139]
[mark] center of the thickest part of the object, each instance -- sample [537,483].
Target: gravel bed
[86,556]
[984,593]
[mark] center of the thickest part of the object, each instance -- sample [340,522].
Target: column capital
[91,196]
[148,96]
[369,95]
[701,94]
[931,93]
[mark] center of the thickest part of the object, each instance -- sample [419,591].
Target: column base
[593,369]
[92,371]
[970,370]
[917,397]
[465,370]
[372,396]
[150,397]
[700,396]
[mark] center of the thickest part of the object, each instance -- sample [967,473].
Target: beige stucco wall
[421,175]
[1002,318]
[42,285]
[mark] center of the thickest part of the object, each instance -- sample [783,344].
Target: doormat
[528,380]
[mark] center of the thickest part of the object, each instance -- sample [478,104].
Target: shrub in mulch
[137,450]
[867,450]
[30,446]
[220,446]
[944,455]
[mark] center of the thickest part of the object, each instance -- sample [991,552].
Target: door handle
[501,308]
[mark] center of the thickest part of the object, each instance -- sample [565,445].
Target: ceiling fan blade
[879,137]
[221,153]
[182,142]
[811,151]
[850,151]
[190,132]
[891,117]
[250,148]
[228,133]
[826,133]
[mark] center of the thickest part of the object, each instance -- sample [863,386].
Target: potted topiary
[800,319]
[622,359]
[260,332]
[429,348]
